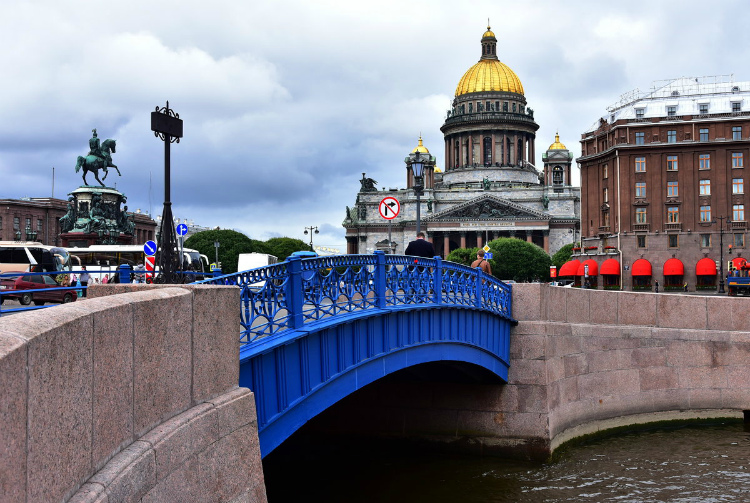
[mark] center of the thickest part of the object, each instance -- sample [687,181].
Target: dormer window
[703,108]
[640,113]
[675,93]
[672,110]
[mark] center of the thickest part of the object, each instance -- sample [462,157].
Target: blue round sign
[149,247]
[182,229]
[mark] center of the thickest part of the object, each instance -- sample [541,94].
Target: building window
[673,189]
[640,216]
[672,163]
[605,195]
[1,223]
[737,160]
[471,108]
[705,240]
[703,108]
[738,212]
[704,161]
[671,111]
[705,214]
[39,225]
[640,138]
[673,214]
[640,113]
[703,134]
[605,171]
[736,132]
[505,106]
[673,241]
[705,187]
[605,218]
[497,106]
[738,186]
[514,108]
[739,240]
[640,189]
[736,107]
[671,136]
[16,224]
[641,240]
[640,164]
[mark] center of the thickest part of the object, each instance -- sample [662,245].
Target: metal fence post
[379,278]
[294,295]
[438,281]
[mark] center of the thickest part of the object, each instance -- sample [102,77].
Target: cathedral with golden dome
[489,186]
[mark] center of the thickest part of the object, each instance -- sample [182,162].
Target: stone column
[446,244]
[505,149]
[463,239]
[546,240]
[479,239]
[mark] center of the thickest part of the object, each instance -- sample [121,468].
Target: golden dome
[557,145]
[489,74]
[438,170]
[420,148]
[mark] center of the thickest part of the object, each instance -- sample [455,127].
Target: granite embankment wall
[128,397]
[581,361]
[598,359]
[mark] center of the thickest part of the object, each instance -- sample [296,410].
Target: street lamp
[313,230]
[417,169]
[721,250]
[216,250]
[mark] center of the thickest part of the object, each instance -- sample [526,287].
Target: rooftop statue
[99,157]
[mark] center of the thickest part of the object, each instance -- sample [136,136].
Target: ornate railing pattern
[291,294]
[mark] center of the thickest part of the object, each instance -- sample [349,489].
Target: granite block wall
[129,396]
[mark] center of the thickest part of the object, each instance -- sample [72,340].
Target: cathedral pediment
[488,208]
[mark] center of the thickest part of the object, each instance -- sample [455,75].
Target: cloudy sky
[286,103]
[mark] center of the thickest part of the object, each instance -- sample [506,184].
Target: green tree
[563,255]
[519,260]
[466,256]
[231,244]
[283,247]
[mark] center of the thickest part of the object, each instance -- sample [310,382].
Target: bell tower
[557,165]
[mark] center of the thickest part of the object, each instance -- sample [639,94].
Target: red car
[10,287]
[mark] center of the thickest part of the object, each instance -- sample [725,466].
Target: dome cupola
[489,74]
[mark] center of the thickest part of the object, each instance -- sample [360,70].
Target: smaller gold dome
[488,33]
[557,145]
[421,148]
[438,170]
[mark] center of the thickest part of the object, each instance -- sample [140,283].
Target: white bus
[32,256]
[103,260]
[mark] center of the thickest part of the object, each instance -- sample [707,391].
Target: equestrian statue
[99,157]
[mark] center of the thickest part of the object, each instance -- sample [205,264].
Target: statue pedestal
[94,217]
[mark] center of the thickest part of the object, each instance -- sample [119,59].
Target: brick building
[37,219]
[663,185]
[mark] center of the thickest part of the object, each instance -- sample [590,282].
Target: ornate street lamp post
[721,250]
[167,125]
[313,230]
[417,168]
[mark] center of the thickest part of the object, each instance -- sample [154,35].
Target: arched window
[557,175]
[487,151]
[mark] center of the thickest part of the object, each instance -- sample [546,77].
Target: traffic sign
[182,229]
[389,208]
[150,266]
[486,248]
[488,255]
[149,247]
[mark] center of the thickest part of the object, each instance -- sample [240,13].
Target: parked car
[13,287]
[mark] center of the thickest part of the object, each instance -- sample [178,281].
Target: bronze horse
[94,164]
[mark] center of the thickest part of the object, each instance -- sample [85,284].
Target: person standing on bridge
[482,263]
[420,247]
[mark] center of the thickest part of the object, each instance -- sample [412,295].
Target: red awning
[611,266]
[641,267]
[673,267]
[738,262]
[705,267]
[569,268]
[593,268]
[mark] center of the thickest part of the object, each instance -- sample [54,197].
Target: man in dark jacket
[420,247]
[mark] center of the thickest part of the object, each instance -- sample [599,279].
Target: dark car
[11,287]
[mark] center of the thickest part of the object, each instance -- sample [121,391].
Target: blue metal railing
[298,291]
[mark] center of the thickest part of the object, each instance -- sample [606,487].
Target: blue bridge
[316,330]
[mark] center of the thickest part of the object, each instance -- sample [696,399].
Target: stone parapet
[129,396]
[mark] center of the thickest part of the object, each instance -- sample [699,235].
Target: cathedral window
[505,106]
[471,108]
[514,108]
[487,151]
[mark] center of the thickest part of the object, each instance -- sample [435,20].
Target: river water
[675,464]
